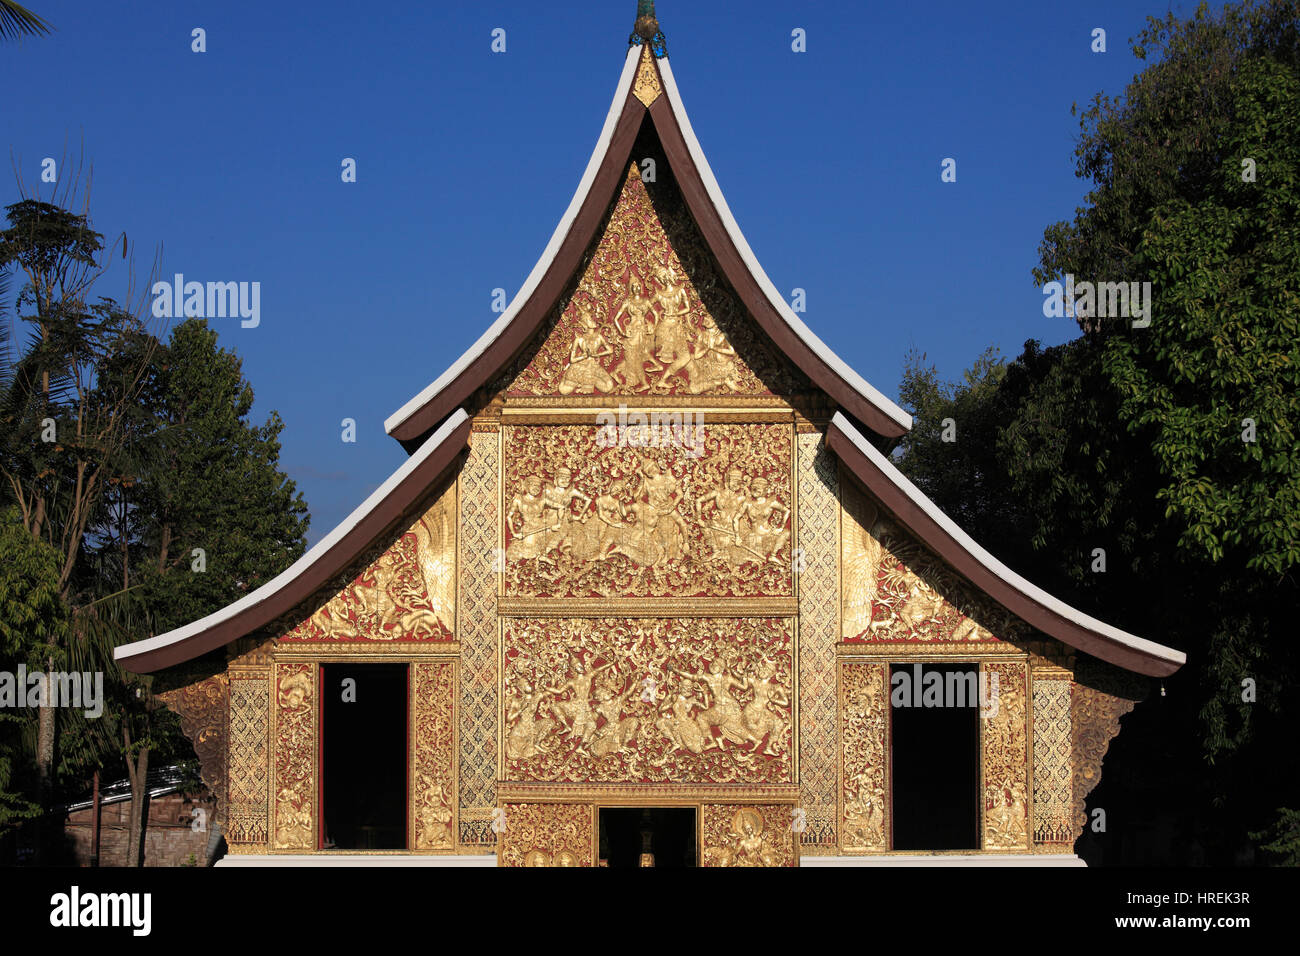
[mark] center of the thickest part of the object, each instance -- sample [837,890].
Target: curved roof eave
[304,577]
[577,228]
[1027,601]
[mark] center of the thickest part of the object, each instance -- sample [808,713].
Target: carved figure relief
[748,836]
[864,722]
[590,517]
[651,315]
[433,780]
[897,590]
[648,700]
[402,592]
[1004,739]
[295,755]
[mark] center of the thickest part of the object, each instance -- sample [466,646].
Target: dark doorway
[936,759]
[666,832]
[363,756]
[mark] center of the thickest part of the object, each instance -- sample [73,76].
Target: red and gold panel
[897,591]
[745,836]
[648,700]
[402,591]
[587,515]
[864,742]
[294,760]
[651,315]
[546,834]
[433,754]
[1004,740]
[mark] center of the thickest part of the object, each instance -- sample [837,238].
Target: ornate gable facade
[642,556]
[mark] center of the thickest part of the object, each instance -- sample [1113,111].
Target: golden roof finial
[647,29]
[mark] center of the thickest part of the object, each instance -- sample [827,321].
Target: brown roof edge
[336,559]
[742,280]
[516,336]
[1034,612]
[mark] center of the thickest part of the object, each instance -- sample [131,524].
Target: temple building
[647,592]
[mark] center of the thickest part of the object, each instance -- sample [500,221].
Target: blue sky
[228,163]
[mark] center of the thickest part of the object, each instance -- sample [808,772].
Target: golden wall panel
[476,629]
[1099,696]
[864,743]
[897,591]
[294,760]
[201,699]
[433,756]
[650,315]
[818,558]
[749,836]
[402,591]
[1004,742]
[1053,766]
[588,516]
[546,834]
[648,701]
[250,766]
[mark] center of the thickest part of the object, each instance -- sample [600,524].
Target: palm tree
[17,22]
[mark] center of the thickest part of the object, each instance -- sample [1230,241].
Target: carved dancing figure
[712,361]
[762,721]
[561,496]
[584,373]
[617,731]
[638,337]
[534,535]
[670,331]
[528,732]
[767,534]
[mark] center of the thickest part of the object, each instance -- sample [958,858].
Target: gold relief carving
[1004,741]
[295,756]
[864,735]
[1099,697]
[589,516]
[546,834]
[201,700]
[404,591]
[748,836]
[651,315]
[648,701]
[477,631]
[433,752]
[251,653]
[818,632]
[1053,767]
[250,768]
[896,590]
[646,88]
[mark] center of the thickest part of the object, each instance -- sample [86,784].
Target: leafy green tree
[1136,440]
[33,619]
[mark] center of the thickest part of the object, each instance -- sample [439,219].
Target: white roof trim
[128,651]
[852,378]
[1028,589]
[543,264]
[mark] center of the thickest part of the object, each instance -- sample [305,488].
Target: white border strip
[1029,590]
[543,264]
[854,380]
[128,651]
